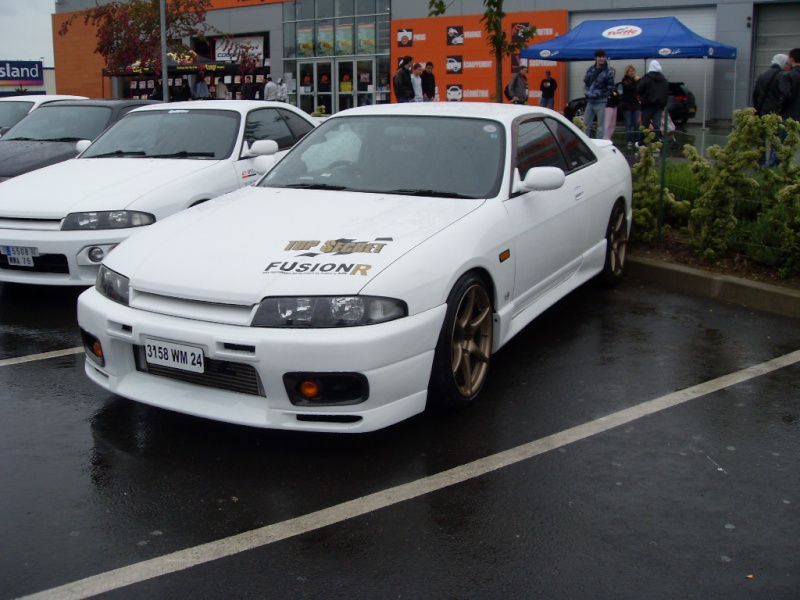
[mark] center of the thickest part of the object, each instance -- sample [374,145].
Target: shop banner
[344,38]
[366,38]
[229,50]
[305,42]
[21,72]
[325,40]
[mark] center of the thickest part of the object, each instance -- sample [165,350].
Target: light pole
[164,85]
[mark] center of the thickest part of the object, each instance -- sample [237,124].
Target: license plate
[177,356]
[20,255]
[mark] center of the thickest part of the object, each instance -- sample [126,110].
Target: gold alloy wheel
[471,344]
[617,242]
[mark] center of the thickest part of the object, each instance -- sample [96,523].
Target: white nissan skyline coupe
[372,272]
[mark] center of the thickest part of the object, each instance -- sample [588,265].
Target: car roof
[38,99]
[505,113]
[240,106]
[110,102]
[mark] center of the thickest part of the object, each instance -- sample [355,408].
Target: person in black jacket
[402,81]
[428,83]
[766,93]
[653,90]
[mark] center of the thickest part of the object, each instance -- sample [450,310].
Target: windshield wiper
[118,153]
[183,154]
[438,193]
[316,186]
[63,139]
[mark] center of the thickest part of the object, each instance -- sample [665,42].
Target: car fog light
[310,389]
[326,389]
[93,348]
[96,254]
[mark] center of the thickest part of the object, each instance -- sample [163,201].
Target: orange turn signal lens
[310,389]
[97,349]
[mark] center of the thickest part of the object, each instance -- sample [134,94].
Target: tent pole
[705,85]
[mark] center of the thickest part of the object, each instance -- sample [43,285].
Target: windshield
[176,133]
[11,112]
[58,123]
[414,155]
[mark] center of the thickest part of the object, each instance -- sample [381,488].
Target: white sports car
[59,222]
[370,273]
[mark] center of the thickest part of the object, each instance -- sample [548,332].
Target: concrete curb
[678,278]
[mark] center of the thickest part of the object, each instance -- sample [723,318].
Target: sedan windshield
[57,123]
[11,112]
[174,134]
[413,155]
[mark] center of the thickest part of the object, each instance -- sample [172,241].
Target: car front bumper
[61,256]
[394,357]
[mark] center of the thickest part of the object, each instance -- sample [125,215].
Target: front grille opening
[218,374]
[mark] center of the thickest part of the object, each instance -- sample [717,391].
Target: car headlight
[328,311]
[107,219]
[112,285]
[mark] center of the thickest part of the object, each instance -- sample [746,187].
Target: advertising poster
[305,42]
[325,40]
[366,38]
[344,39]
[464,64]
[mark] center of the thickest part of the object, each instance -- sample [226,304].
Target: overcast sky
[26,31]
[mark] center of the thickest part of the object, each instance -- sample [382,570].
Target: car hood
[84,184]
[259,242]
[18,157]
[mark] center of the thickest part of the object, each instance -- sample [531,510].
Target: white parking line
[191,557]
[43,356]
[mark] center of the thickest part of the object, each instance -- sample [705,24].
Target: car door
[549,227]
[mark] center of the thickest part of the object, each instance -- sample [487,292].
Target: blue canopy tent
[661,37]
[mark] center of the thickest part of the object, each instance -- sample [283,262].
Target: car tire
[463,352]
[616,247]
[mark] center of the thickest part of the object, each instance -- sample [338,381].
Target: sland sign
[21,72]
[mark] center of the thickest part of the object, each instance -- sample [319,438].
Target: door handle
[579,193]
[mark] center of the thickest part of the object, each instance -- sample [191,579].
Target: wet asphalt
[695,499]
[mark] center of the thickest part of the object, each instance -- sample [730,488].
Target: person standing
[248,89]
[201,88]
[767,99]
[518,86]
[221,90]
[416,82]
[402,81]
[548,88]
[789,86]
[630,106]
[270,89]
[653,90]
[428,83]
[598,85]
[283,91]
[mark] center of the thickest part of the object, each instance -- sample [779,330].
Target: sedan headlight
[107,219]
[112,285]
[328,311]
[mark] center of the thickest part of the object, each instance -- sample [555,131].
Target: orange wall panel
[79,70]
[463,39]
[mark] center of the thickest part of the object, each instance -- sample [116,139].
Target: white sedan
[59,222]
[372,272]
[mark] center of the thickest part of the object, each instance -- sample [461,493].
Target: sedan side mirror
[540,179]
[262,148]
[82,145]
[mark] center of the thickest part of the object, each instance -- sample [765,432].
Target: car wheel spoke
[471,341]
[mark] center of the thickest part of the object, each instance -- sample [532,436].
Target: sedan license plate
[20,256]
[177,356]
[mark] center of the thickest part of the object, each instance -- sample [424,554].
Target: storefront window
[305,39]
[344,8]
[365,7]
[325,38]
[324,9]
[289,45]
[304,9]
[384,35]
[344,37]
[365,36]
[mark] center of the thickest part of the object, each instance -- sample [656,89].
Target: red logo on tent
[622,32]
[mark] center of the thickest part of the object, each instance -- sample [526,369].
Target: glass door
[314,86]
[337,85]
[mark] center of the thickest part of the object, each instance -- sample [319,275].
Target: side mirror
[540,179]
[82,145]
[262,148]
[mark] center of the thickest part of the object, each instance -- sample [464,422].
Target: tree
[499,41]
[129,31]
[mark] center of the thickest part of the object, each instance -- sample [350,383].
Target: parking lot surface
[629,444]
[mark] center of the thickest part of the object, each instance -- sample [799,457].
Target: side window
[536,147]
[267,124]
[299,126]
[578,153]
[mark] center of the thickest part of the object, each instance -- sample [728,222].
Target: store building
[342,53]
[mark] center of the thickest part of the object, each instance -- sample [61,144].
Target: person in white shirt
[283,91]
[416,82]
[270,89]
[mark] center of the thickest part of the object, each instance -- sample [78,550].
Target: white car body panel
[32,205]
[197,279]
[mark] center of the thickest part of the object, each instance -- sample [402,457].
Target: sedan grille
[219,374]
[44,263]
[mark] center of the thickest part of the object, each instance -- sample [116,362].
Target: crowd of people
[249,90]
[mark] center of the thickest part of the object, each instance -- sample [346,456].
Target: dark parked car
[14,108]
[681,105]
[48,135]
